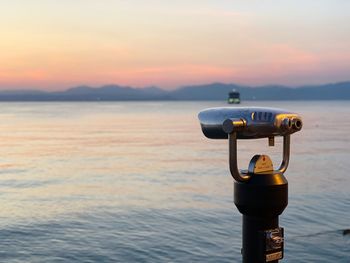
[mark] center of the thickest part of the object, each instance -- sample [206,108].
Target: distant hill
[219,91]
[214,91]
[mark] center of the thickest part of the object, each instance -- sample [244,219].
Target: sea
[139,182]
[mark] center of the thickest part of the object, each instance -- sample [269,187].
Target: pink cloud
[276,63]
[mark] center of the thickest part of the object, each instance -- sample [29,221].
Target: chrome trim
[236,174]
[286,154]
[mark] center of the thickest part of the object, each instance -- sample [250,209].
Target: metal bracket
[237,174]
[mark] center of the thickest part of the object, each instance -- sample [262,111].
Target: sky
[54,45]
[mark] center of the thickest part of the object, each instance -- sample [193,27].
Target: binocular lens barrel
[248,123]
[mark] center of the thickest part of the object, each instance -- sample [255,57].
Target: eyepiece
[297,124]
[289,122]
[286,124]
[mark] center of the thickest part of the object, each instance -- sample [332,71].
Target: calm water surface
[138,182]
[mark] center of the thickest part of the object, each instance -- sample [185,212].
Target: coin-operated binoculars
[261,192]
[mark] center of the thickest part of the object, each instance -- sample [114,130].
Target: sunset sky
[53,45]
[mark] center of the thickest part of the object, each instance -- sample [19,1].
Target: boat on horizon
[234,97]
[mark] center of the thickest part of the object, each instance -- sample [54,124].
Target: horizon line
[176,88]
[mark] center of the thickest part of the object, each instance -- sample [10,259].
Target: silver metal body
[259,122]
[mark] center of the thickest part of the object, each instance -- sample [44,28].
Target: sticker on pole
[274,256]
[274,244]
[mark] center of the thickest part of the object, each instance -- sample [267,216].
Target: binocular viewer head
[251,123]
[248,123]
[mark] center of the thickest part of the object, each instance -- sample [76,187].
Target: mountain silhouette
[214,91]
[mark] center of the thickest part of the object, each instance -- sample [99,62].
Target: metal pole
[261,200]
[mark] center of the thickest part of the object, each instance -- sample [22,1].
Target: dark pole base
[253,238]
[261,200]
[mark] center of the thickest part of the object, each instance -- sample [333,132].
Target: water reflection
[92,163]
